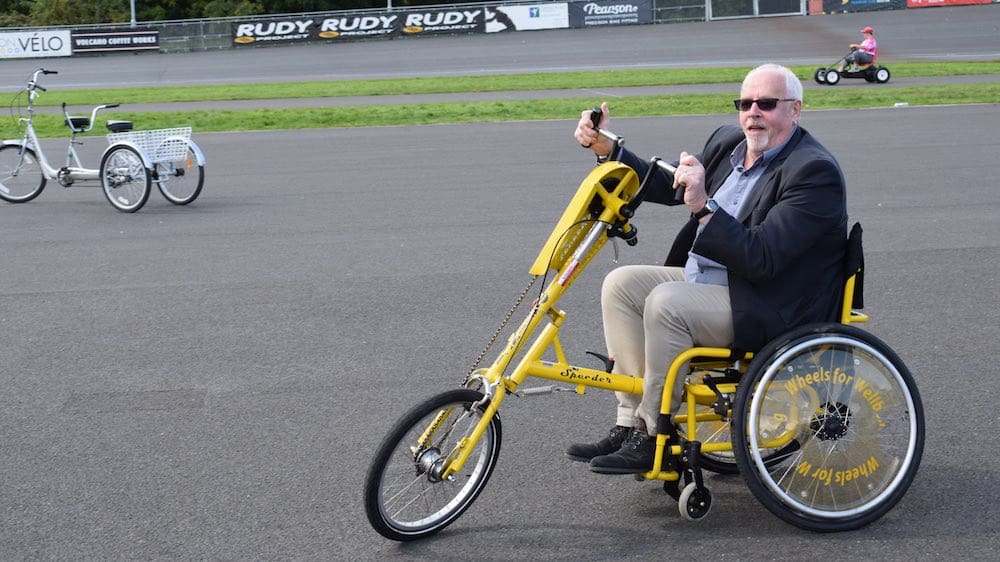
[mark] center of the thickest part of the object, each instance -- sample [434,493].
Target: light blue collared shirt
[732,196]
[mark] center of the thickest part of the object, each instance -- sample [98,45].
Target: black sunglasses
[765,104]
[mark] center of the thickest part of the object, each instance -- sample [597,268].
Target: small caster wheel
[694,503]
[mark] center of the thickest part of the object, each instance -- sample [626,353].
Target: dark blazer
[785,252]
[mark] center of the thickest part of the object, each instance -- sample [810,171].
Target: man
[761,254]
[862,53]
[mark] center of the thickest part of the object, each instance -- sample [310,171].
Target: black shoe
[635,456]
[584,452]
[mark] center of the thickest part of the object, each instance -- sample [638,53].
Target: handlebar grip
[595,116]
[111,105]
[39,87]
[49,71]
[671,169]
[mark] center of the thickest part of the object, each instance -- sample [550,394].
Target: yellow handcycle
[824,423]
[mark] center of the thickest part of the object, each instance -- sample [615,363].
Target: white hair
[793,87]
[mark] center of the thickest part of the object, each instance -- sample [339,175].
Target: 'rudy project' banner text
[31,44]
[470,20]
[358,26]
[610,12]
[340,26]
[106,40]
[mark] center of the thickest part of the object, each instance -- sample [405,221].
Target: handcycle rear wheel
[852,408]
[180,181]
[21,178]
[125,178]
[724,462]
[405,498]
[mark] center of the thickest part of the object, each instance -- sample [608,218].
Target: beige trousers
[650,315]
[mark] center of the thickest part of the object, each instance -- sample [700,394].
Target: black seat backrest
[854,264]
[852,293]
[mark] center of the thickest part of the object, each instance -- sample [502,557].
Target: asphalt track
[209,382]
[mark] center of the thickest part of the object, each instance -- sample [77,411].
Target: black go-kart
[871,72]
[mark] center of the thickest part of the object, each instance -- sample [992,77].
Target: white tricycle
[132,161]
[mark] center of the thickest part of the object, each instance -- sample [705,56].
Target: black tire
[180,181]
[125,178]
[870,75]
[21,178]
[402,471]
[820,75]
[832,77]
[882,75]
[850,404]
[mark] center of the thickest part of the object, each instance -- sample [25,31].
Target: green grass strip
[518,110]
[461,84]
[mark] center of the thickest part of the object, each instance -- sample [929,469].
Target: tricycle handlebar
[93,117]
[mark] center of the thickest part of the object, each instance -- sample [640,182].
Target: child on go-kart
[862,53]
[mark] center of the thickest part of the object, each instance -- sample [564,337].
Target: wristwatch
[710,207]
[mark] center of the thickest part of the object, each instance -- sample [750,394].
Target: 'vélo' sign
[32,44]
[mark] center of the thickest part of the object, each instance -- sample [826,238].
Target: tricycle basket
[160,145]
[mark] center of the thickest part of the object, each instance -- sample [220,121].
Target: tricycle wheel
[21,177]
[832,77]
[882,75]
[820,75]
[125,178]
[180,180]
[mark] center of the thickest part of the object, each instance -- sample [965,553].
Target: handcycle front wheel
[21,178]
[405,497]
[180,179]
[852,410]
[125,178]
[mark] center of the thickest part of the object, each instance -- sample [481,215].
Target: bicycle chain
[499,330]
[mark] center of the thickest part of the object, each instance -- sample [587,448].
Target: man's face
[765,130]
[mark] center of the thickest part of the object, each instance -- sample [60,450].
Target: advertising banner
[835,6]
[358,26]
[527,17]
[610,12]
[929,3]
[458,20]
[339,26]
[285,30]
[31,44]
[106,40]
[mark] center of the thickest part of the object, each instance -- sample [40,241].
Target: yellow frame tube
[570,255]
[847,314]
